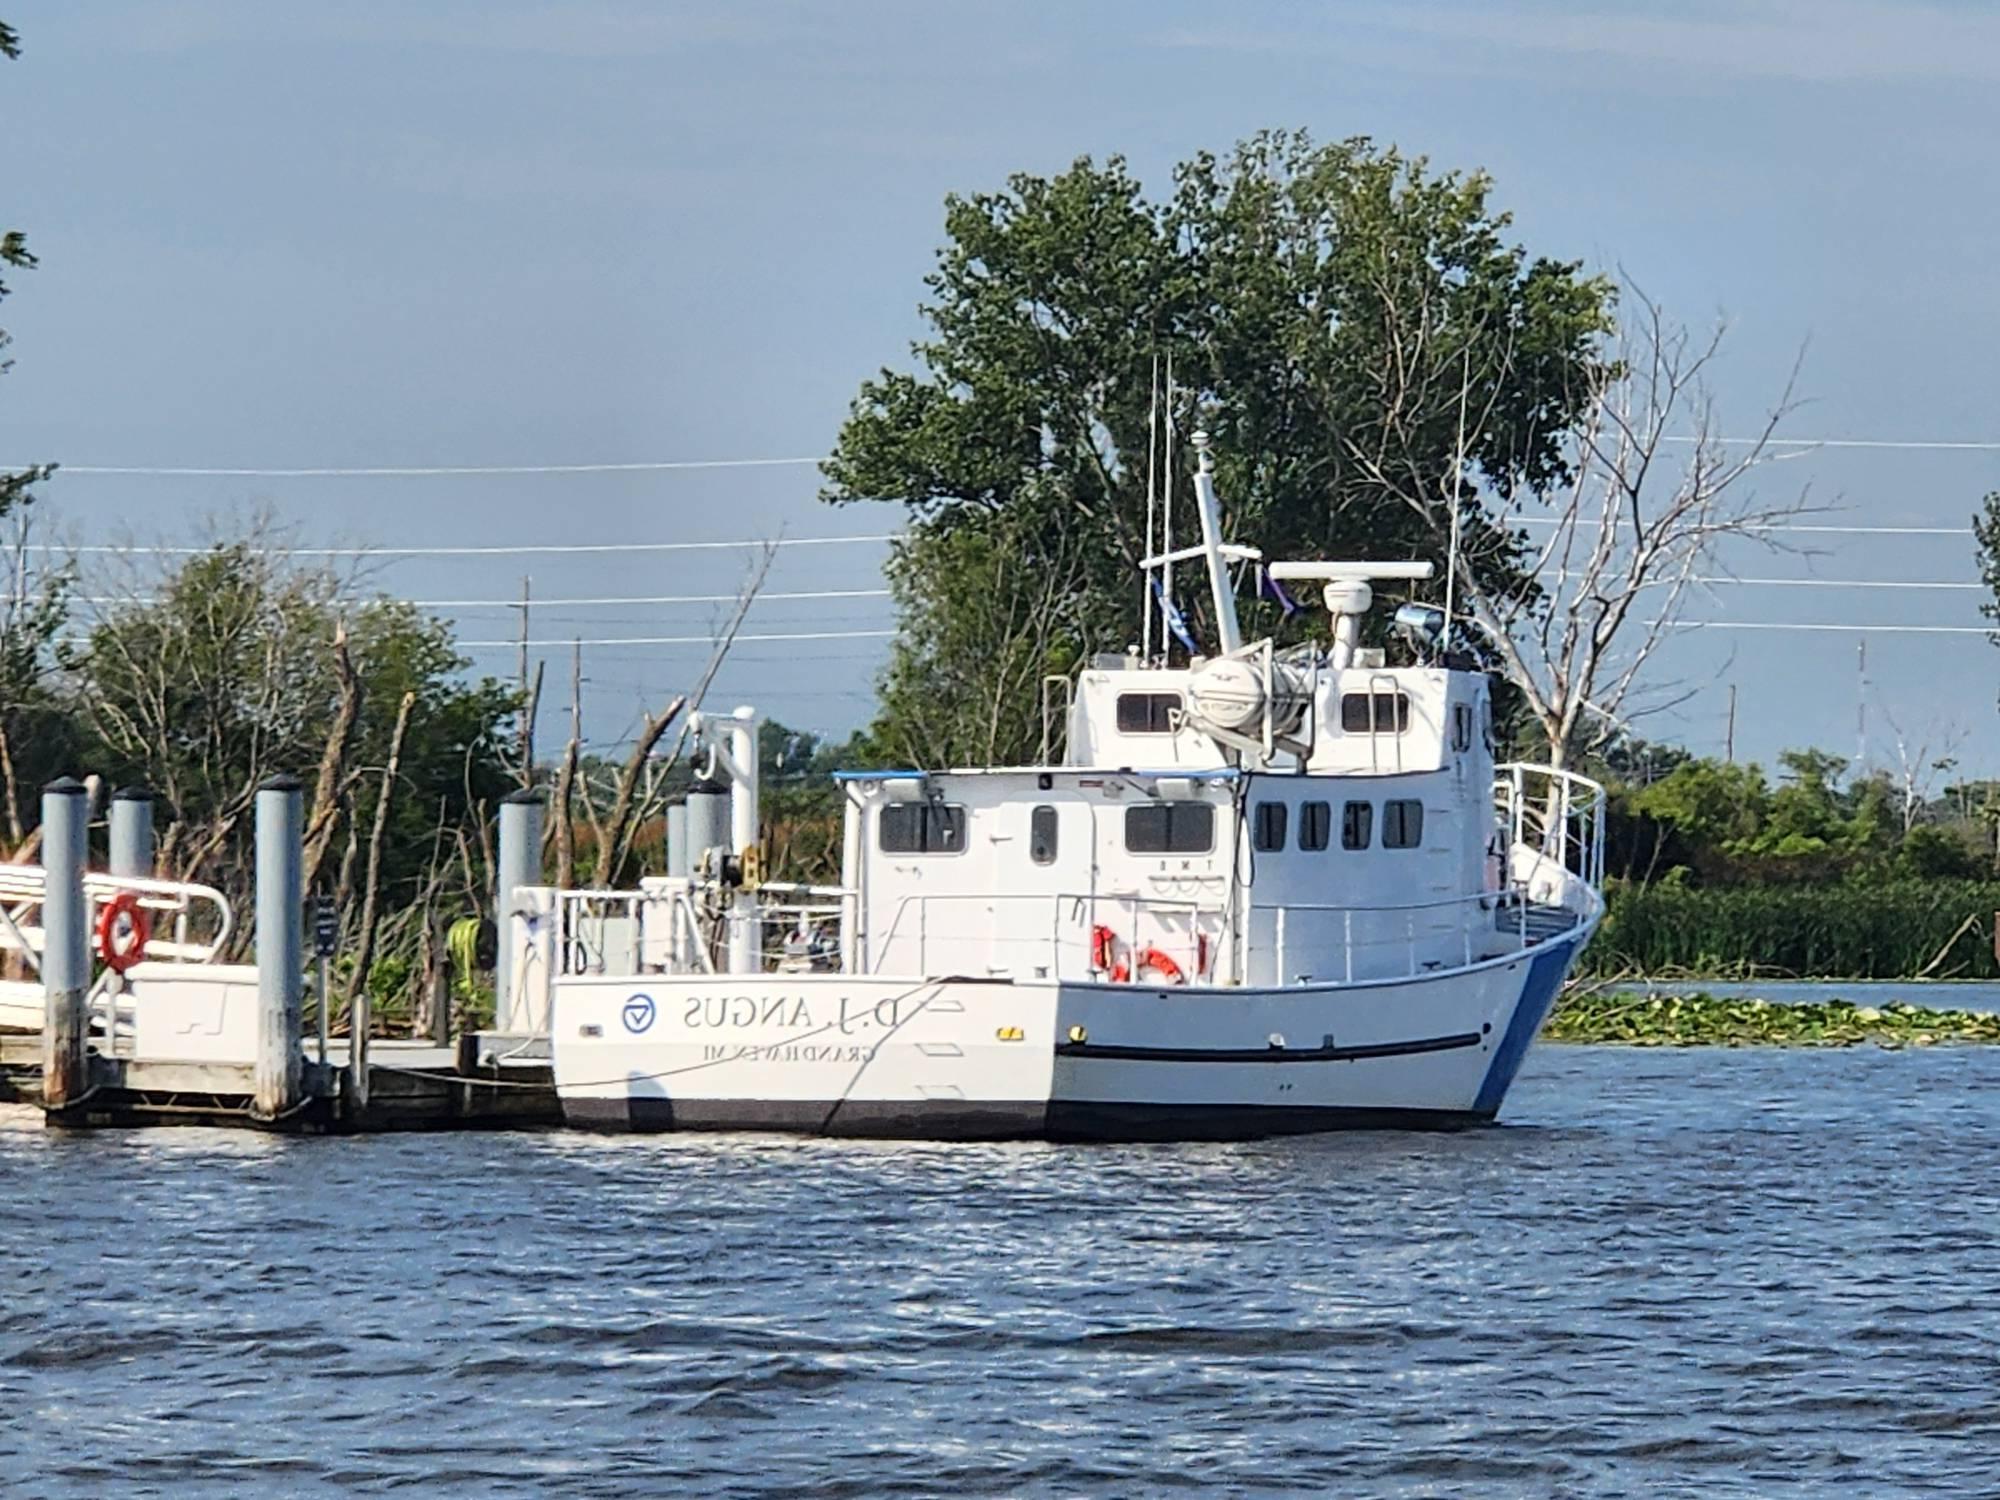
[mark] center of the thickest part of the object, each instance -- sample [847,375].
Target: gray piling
[520,861]
[65,943]
[678,863]
[280,948]
[132,831]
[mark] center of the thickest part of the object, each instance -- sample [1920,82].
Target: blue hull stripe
[1538,993]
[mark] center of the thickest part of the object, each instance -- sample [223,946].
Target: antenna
[1167,521]
[1152,506]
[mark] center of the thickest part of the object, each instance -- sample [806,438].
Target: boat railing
[1371,942]
[1558,817]
[605,931]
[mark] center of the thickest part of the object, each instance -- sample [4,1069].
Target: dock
[484,1082]
[132,1020]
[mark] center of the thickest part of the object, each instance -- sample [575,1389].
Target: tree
[14,253]
[30,615]
[1287,286]
[1651,494]
[204,677]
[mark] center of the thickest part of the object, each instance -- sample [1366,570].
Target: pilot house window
[1170,828]
[1148,713]
[923,828]
[1268,830]
[1357,825]
[1402,824]
[1383,713]
[1315,824]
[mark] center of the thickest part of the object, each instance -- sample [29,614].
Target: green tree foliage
[225,673]
[1331,313]
[1710,823]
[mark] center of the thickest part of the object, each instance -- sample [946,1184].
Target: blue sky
[292,235]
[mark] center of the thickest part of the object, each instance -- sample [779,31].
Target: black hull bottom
[960,1120]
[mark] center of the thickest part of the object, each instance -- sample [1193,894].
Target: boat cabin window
[1379,713]
[1170,828]
[1148,713]
[1315,824]
[1357,825]
[1042,835]
[1461,726]
[1267,834]
[922,828]
[1402,824]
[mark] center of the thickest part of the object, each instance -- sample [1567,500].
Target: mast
[1228,629]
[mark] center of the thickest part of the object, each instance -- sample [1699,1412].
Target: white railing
[1557,818]
[1364,942]
[190,923]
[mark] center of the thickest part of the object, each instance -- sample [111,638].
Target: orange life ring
[1104,950]
[1163,965]
[122,947]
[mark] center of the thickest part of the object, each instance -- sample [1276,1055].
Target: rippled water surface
[1687,1273]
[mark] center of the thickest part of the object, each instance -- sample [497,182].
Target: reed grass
[1884,930]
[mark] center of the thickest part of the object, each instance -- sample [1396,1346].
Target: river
[1676,1272]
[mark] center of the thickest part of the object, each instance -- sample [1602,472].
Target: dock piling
[132,831]
[65,944]
[520,863]
[280,948]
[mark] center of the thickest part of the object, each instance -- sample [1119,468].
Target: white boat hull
[957,1058]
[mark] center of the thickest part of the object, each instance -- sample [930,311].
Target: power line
[658,466]
[426,471]
[1849,628]
[606,600]
[524,550]
[685,640]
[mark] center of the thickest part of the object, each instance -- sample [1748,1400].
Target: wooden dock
[483,1083]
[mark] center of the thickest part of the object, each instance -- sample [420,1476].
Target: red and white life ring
[122,930]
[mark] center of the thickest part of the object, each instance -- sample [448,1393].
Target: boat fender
[122,930]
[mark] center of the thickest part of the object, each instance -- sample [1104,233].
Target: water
[1934,994]
[1673,1273]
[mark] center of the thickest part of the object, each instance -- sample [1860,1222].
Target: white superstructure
[1267,890]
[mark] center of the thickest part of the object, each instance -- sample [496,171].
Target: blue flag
[1175,623]
[1266,584]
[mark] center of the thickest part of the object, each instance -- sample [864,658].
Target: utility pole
[1729,734]
[526,731]
[576,690]
[1860,704]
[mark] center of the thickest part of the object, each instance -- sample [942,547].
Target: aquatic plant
[1709,1021]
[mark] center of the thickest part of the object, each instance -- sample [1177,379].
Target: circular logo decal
[638,1013]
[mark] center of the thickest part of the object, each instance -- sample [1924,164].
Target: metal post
[746,936]
[280,948]
[520,861]
[132,831]
[65,944]
[678,863]
[707,820]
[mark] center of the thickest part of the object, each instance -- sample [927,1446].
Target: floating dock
[475,1085]
[140,1026]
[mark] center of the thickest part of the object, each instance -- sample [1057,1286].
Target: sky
[281,235]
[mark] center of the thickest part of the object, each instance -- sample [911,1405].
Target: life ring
[1163,965]
[123,946]
[1104,950]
